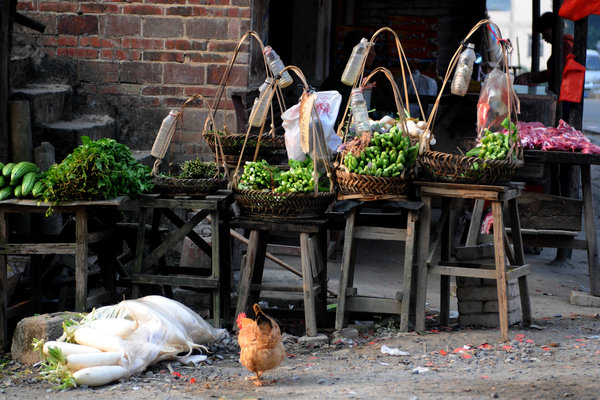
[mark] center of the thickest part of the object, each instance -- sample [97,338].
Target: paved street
[591,115]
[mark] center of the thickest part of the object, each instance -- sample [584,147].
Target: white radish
[97,376]
[69,348]
[75,362]
[120,327]
[96,338]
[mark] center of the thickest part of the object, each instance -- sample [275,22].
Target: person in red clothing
[545,25]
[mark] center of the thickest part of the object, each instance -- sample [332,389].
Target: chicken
[260,343]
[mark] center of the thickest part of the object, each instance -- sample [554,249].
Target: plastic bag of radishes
[114,342]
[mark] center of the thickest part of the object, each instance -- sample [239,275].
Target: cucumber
[6,193]
[2,181]
[21,169]
[18,191]
[7,169]
[1,165]
[38,189]
[28,182]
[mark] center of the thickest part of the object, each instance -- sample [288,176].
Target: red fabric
[578,9]
[573,78]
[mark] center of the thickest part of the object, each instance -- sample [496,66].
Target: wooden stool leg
[407,279]
[424,233]
[590,230]
[318,250]
[3,285]
[347,272]
[307,286]
[500,268]
[255,258]
[139,251]
[446,243]
[81,264]
[520,260]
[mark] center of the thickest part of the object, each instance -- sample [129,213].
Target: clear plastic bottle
[163,137]
[355,62]
[359,111]
[260,108]
[463,72]
[276,66]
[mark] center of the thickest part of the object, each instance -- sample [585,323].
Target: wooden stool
[517,269]
[313,250]
[151,269]
[348,300]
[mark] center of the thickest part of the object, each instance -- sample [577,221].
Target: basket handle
[513,103]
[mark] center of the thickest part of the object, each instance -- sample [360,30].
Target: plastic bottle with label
[359,111]
[260,108]
[463,71]
[163,137]
[276,66]
[355,62]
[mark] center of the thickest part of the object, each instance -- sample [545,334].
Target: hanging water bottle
[276,66]
[463,72]
[359,111]
[261,104]
[164,135]
[355,62]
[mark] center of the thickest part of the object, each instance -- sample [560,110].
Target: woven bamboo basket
[268,204]
[440,166]
[290,205]
[271,148]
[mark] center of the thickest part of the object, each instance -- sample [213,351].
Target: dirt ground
[557,357]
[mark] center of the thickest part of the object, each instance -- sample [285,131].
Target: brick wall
[136,59]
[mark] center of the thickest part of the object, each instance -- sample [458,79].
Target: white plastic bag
[327,106]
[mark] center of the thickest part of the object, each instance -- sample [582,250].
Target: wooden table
[590,244]
[517,269]
[150,269]
[78,247]
[313,249]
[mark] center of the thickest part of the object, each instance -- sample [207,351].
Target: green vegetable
[38,189]
[6,193]
[7,169]
[196,169]
[96,170]
[29,181]
[21,169]
[18,191]
[2,181]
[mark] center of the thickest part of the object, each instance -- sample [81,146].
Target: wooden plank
[3,284]
[307,283]
[256,241]
[98,236]
[6,10]
[347,272]
[422,263]
[374,305]
[275,287]
[408,281]
[191,281]
[379,233]
[517,273]
[194,237]
[475,222]
[545,211]
[560,157]
[174,204]
[590,230]
[500,268]
[81,264]
[37,248]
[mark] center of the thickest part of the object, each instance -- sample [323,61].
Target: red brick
[50,52]
[67,52]
[189,11]
[205,91]
[225,46]
[237,77]
[26,6]
[98,71]
[162,91]
[138,101]
[48,19]
[78,25]
[217,12]
[137,72]
[144,44]
[115,55]
[233,12]
[120,25]
[98,42]
[164,56]
[240,3]
[246,13]
[143,9]
[86,53]
[163,27]
[210,58]
[178,44]
[185,74]
[99,8]
[57,6]
[207,28]
[234,29]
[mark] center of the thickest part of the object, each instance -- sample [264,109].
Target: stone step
[143,157]
[66,135]
[49,102]
[20,70]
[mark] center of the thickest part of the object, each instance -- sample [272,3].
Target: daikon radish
[97,376]
[98,339]
[75,362]
[120,327]
[70,348]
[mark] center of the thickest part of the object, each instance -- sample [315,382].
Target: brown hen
[260,343]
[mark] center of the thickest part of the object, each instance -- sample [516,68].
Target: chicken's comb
[239,318]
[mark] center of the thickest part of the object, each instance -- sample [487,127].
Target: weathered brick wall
[136,59]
